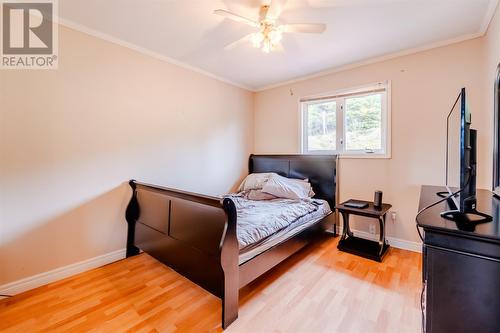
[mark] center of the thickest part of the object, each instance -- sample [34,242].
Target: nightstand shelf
[363,248]
[359,246]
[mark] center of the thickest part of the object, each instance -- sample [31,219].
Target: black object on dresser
[359,246]
[461,267]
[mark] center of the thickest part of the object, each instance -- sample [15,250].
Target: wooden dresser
[461,268]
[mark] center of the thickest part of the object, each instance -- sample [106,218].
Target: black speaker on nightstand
[377,200]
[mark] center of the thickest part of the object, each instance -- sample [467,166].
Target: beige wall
[492,56]
[71,137]
[424,86]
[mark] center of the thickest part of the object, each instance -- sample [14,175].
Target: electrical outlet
[393,216]
[372,229]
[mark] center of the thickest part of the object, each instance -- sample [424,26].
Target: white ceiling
[186,31]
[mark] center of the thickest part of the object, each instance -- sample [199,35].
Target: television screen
[453,147]
[458,151]
[461,144]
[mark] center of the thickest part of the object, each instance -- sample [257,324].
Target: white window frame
[339,97]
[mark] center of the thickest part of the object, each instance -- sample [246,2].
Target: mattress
[303,222]
[258,219]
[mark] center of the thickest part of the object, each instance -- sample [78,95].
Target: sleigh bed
[196,235]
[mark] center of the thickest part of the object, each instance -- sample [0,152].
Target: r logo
[27,28]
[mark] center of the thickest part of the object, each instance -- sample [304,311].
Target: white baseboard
[392,241]
[41,279]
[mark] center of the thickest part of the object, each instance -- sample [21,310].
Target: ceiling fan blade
[236,17]
[244,40]
[310,28]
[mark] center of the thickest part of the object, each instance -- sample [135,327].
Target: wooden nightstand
[359,246]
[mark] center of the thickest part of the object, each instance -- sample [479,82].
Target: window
[354,122]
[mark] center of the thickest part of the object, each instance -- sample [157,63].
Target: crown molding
[94,33]
[483,30]
[375,60]
[490,13]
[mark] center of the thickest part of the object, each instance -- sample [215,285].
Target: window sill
[352,156]
[366,156]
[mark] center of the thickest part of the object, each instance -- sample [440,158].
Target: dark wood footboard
[196,234]
[191,233]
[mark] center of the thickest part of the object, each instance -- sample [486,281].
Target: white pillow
[258,195]
[287,188]
[307,184]
[254,181]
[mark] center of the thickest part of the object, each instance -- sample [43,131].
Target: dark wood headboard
[321,170]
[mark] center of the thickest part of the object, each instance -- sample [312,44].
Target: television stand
[464,218]
[443,194]
[460,267]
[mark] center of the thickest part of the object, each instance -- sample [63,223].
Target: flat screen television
[496,143]
[461,145]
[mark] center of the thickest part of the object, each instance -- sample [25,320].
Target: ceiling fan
[270,32]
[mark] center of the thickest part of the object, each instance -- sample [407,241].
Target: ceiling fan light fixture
[268,38]
[275,35]
[270,33]
[267,47]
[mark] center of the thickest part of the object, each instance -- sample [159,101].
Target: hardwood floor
[318,290]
